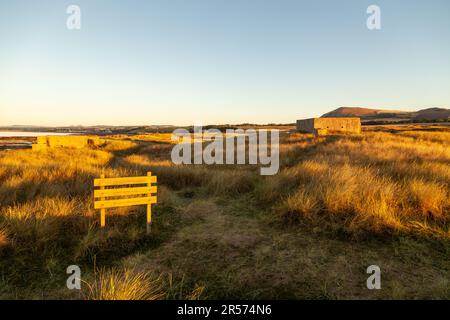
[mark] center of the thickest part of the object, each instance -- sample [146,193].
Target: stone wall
[321,126]
[306,125]
[78,142]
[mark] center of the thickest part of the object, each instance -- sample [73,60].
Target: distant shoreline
[108,130]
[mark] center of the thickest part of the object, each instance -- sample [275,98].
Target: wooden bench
[124,192]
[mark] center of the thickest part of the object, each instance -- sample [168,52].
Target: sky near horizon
[218,61]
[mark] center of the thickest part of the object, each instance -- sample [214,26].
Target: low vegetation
[374,183]
[124,284]
[338,205]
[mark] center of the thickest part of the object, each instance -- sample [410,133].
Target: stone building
[323,126]
[44,142]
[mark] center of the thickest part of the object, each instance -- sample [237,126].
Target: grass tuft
[124,284]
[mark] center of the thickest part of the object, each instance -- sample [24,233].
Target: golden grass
[118,145]
[147,137]
[4,241]
[374,183]
[124,284]
[428,135]
[154,137]
[430,198]
[378,182]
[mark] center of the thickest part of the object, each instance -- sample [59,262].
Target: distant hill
[367,114]
[432,114]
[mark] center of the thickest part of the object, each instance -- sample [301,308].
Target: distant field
[338,205]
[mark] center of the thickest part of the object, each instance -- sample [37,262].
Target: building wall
[306,125]
[348,125]
[44,142]
[330,125]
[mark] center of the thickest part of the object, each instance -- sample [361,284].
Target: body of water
[30,134]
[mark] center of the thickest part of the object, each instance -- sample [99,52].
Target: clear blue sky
[218,61]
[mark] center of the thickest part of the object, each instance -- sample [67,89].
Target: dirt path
[236,255]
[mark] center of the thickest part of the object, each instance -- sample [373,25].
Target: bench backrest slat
[124,202]
[105,182]
[124,191]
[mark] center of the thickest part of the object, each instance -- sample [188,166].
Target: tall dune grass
[378,182]
[124,284]
[4,241]
[374,183]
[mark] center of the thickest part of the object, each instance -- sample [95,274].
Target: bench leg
[149,218]
[102,218]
